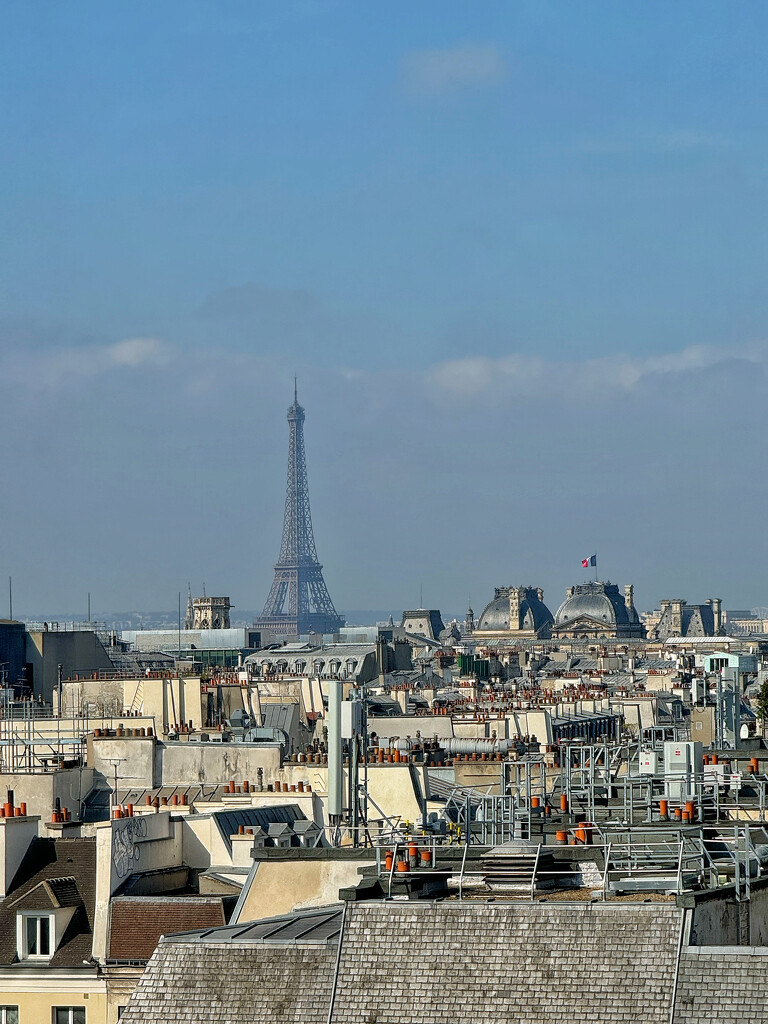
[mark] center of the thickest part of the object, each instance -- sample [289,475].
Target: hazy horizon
[514,254]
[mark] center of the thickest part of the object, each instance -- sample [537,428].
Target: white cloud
[138,351]
[51,367]
[521,374]
[435,72]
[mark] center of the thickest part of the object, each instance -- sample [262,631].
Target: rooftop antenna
[421,595]
[10,597]
[295,391]
[89,606]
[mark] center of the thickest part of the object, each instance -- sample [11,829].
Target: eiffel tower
[298,600]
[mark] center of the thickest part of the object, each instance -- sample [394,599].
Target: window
[69,1015]
[9,1015]
[36,936]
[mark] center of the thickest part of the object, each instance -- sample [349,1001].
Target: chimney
[717,613]
[14,846]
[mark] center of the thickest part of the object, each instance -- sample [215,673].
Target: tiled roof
[69,868]
[431,963]
[723,984]
[228,822]
[137,922]
[278,970]
[48,895]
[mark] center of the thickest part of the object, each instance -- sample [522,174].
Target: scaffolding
[26,747]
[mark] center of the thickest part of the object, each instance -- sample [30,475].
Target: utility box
[683,758]
[351,718]
[649,762]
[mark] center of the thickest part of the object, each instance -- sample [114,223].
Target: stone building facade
[598,611]
[514,613]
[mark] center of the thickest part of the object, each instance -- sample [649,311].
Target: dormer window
[42,916]
[35,934]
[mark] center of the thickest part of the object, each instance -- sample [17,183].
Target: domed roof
[495,615]
[533,613]
[599,601]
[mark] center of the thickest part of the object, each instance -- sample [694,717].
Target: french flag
[586,562]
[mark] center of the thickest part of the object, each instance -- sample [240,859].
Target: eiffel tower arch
[298,600]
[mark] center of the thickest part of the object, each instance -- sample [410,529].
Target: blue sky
[514,252]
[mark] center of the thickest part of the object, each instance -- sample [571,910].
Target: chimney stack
[717,613]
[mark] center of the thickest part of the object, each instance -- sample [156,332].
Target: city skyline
[514,257]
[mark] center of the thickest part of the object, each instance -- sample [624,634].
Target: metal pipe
[335,758]
[464,745]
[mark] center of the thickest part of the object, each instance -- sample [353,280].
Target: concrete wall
[39,790]
[136,756]
[216,763]
[146,842]
[149,762]
[280,886]
[715,922]
[163,701]
[79,652]
[173,702]
[385,728]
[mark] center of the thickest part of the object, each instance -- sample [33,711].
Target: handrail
[606,867]
[533,874]
[461,873]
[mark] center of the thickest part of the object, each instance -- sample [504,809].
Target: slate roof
[307,927]
[280,970]
[724,984]
[48,895]
[54,871]
[451,963]
[137,922]
[496,963]
[227,822]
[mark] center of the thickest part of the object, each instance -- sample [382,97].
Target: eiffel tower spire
[298,600]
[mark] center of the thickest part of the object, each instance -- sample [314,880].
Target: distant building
[210,612]
[598,611]
[12,657]
[75,646]
[514,613]
[678,618]
[741,622]
[426,622]
[222,647]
